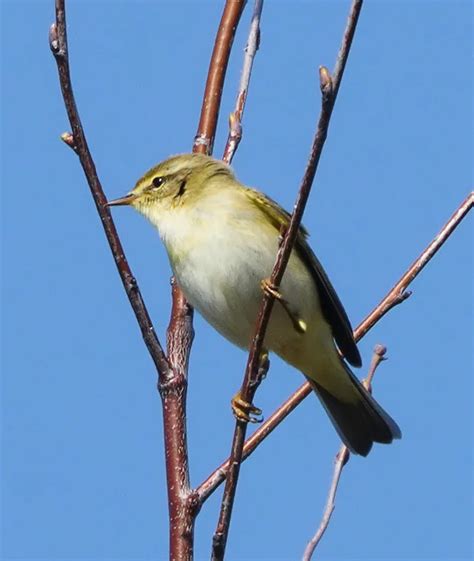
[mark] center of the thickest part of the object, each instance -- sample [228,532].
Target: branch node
[173,383]
[325,82]
[68,138]
[235,126]
[405,294]
[202,140]
[133,286]
[53,39]
[194,503]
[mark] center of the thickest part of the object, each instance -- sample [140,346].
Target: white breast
[219,259]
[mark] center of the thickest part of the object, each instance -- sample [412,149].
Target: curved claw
[245,411]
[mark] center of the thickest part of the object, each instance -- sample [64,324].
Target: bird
[221,238]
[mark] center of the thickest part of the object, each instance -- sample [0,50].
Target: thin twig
[395,296]
[399,291]
[235,118]
[77,141]
[251,379]
[342,457]
[204,139]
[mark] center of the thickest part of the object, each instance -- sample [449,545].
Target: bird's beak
[127,200]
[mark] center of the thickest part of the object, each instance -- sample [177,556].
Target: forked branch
[394,297]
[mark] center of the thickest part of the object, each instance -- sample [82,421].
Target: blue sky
[82,453]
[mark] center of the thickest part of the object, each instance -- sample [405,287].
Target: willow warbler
[222,239]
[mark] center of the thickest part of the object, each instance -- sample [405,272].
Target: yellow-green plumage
[222,239]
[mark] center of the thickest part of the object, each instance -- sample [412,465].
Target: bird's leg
[244,410]
[299,325]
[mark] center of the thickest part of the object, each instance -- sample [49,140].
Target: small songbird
[222,239]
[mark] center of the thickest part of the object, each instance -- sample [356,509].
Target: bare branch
[235,118]
[251,380]
[395,296]
[204,139]
[399,292]
[342,457]
[77,141]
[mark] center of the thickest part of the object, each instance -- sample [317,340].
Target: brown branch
[251,378]
[204,139]
[398,292]
[394,297]
[235,118]
[342,457]
[183,503]
[77,141]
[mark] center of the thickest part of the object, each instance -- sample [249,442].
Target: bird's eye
[158,181]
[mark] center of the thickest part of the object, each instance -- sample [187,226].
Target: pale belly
[221,277]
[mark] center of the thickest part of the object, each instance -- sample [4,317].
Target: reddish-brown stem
[235,118]
[251,380]
[204,139]
[395,296]
[341,459]
[183,506]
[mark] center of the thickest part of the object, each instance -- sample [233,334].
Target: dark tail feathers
[361,423]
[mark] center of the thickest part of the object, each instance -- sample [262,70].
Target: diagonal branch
[59,48]
[342,457]
[395,296]
[329,89]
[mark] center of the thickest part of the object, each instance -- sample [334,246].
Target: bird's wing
[331,306]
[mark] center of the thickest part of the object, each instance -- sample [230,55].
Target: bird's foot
[245,411]
[263,365]
[299,325]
